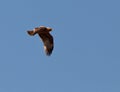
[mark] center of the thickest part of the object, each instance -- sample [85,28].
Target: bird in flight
[46,37]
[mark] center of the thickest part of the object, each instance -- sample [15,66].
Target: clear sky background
[86,57]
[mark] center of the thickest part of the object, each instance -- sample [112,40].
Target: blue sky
[86,57]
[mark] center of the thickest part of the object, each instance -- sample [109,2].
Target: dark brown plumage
[46,37]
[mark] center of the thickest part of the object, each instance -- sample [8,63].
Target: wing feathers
[31,33]
[48,42]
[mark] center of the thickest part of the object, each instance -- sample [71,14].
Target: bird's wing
[31,32]
[48,42]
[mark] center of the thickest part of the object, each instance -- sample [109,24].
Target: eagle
[46,37]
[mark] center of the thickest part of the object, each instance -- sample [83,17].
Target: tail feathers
[32,33]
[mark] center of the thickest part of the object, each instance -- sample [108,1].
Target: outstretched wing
[48,42]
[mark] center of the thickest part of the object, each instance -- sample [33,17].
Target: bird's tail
[32,33]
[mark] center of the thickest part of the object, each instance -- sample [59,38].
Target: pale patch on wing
[48,42]
[48,47]
[45,48]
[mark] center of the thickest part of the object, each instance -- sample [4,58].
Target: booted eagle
[46,37]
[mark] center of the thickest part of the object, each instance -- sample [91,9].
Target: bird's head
[49,29]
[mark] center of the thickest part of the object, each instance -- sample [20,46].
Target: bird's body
[46,37]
